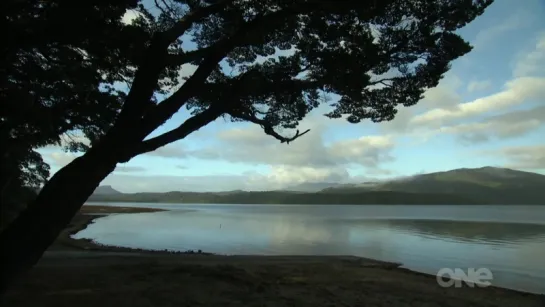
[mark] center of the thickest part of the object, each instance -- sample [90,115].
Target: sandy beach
[81,273]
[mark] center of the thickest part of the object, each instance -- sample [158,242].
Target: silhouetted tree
[55,55]
[376,55]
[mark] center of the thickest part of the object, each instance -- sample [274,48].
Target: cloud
[513,111]
[532,63]
[475,86]
[444,96]
[130,16]
[529,157]
[128,169]
[308,159]
[368,151]
[129,183]
[514,21]
[252,145]
[60,158]
[504,126]
[67,138]
[515,93]
[185,71]
[168,151]
[282,176]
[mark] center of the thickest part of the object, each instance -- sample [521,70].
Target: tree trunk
[25,240]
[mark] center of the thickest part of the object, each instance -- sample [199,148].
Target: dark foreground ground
[86,275]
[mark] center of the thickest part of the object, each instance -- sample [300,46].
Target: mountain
[311,186]
[288,197]
[106,190]
[487,185]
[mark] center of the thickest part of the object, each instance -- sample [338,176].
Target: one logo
[481,277]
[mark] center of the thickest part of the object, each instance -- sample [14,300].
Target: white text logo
[447,277]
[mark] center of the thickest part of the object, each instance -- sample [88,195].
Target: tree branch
[187,57]
[187,127]
[144,82]
[267,128]
[383,81]
[160,114]
[153,62]
[169,9]
[165,13]
[169,106]
[192,17]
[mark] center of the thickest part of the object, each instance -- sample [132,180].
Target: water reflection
[468,231]
[514,251]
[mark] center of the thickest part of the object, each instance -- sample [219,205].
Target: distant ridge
[485,185]
[311,186]
[106,190]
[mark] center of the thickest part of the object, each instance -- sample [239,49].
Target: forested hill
[486,185]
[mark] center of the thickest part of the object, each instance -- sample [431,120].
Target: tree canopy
[270,62]
[58,58]
[265,62]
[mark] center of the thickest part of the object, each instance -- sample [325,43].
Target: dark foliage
[57,60]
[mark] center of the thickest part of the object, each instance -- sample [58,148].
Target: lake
[507,240]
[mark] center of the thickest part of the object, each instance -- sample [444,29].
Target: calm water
[508,240]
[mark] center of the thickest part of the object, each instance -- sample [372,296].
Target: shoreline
[86,216]
[90,212]
[79,272]
[110,201]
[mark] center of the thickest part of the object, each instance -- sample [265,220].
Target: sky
[488,110]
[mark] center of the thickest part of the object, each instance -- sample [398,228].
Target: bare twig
[187,57]
[192,17]
[165,13]
[382,81]
[171,10]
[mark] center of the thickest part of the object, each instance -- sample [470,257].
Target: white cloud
[515,93]
[186,70]
[128,169]
[129,16]
[282,176]
[252,145]
[369,151]
[532,63]
[528,157]
[60,158]
[69,138]
[517,20]
[130,183]
[512,112]
[443,96]
[475,86]
[308,159]
[169,151]
[482,132]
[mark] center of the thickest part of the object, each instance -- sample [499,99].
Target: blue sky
[489,110]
